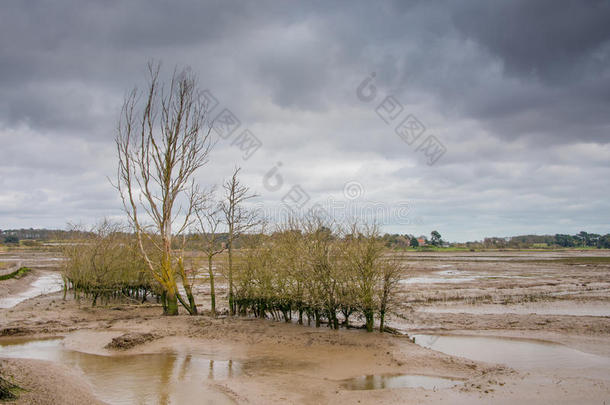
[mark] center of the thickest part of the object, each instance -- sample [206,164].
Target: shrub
[107,264]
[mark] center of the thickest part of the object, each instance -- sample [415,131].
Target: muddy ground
[300,364]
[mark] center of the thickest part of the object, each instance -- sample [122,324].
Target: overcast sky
[507,107]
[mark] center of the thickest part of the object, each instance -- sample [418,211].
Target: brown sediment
[288,363]
[129,340]
[42,382]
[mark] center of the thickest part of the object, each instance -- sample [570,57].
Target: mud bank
[286,363]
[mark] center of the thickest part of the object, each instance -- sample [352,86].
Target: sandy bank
[46,383]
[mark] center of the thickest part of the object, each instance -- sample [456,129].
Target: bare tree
[238,220]
[209,218]
[163,139]
[317,270]
[321,267]
[363,252]
[390,277]
[290,264]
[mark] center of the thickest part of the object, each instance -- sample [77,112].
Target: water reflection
[159,378]
[376,382]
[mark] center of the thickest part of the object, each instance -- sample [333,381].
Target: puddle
[378,382]
[159,378]
[540,308]
[449,272]
[516,353]
[436,280]
[45,284]
[443,276]
[457,276]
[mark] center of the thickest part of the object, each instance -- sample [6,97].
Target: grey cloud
[544,39]
[517,91]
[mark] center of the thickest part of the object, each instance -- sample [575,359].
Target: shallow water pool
[516,353]
[45,284]
[159,378]
[376,382]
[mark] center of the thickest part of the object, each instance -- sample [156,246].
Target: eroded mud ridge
[489,327]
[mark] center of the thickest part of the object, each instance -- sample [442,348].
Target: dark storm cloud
[518,91]
[559,56]
[545,39]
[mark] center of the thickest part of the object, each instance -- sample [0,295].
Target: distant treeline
[45,235]
[580,240]
[395,241]
[36,234]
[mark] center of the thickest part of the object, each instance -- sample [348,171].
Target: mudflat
[507,296]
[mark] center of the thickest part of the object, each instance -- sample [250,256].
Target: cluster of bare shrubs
[303,270]
[105,263]
[308,269]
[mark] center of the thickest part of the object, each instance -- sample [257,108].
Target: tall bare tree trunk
[172,303]
[161,144]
